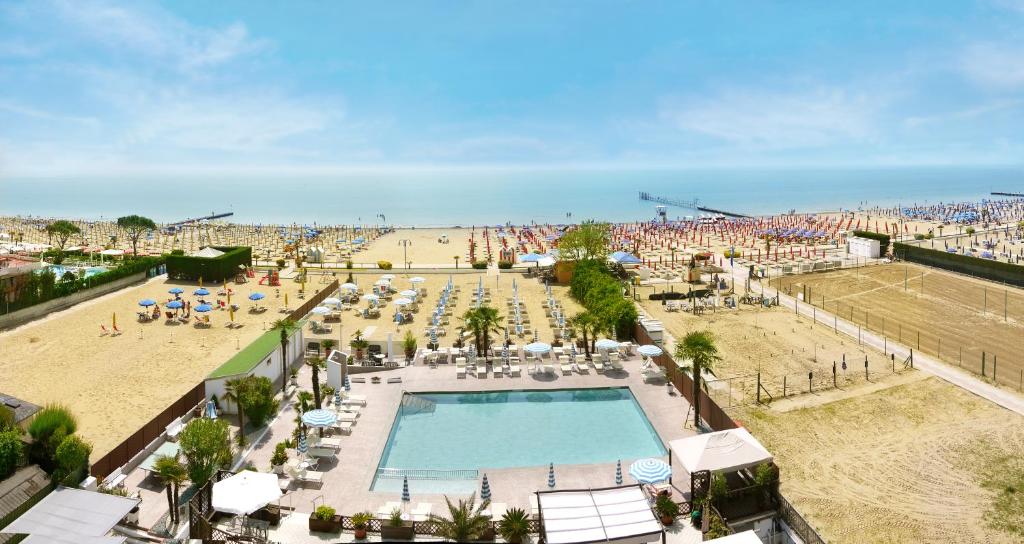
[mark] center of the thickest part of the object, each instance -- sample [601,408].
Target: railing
[427,474]
[796,521]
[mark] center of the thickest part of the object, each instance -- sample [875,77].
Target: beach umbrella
[175,290]
[537,348]
[405,490]
[349,287]
[203,308]
[485,489]
[433,336]
[319,418]
[211,410]
[551,475]
[572,350]
[331,301]
[246,492]
[649,350]
[337,397]
[202,291]
[257,296]
[388,277]
[618,472]
[370,297]
[382,283]
[606,343]
[649,471]
[348,384]
[506,336]
[175,304]
[504,353]
[147,302]
[402,301]
[320,310]
[408,293]
[113,320]
[530,258]
[302,447]
[417,279]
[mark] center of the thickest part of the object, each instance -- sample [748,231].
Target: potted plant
[766,475]
[360,521]
[514,525]
[294,376]
[324,520]
[359,344]
[409,345]
[667,509]
[396,528]
[279,458]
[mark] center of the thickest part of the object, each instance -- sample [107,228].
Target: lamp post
[405,243]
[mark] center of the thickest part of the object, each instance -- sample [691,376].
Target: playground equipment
[272,279]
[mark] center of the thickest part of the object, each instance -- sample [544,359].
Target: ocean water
[476,197]
[503,429]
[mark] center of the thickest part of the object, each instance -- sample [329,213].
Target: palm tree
[699,349]
[588,325]
[465,522]
[316,364]
[328,344]
[172,473]
[233,391]
[482,321]
[285,327]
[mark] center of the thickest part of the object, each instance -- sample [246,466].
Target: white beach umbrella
[408,293]
[370,297]
[402,301]
[245,492]
[320,310]
[649,350]
[388,277]
[605,343]
[349,287]
[537,348]
[417,279]
[331,301]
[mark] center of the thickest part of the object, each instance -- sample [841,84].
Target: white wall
[863,247]
[269,367]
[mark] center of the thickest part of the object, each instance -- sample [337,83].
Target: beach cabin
[260,358]
[863,247]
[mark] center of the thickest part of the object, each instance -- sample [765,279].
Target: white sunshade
[208,253]
[620,514]
[722,451]
[112,252]
[72,516]
[245,492]
[746,537]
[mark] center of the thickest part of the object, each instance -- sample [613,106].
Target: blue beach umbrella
[175,290]
[433,336]
[348,384]
[147,302]
[302,447]
[204,308]
[551,475]
[257,296]
[202,291]
[211,410]
[649,471]
[319,418]
[618,472]
[175,304]
[485,490]
[405,489]
[337,397]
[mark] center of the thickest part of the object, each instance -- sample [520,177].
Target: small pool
[437,435]
[59,270]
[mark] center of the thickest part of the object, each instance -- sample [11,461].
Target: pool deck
[347,479]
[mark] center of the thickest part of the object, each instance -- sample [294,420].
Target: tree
[328,344]
[257,399]
[698,353]
[233,393]
[481,322]
[172,473]
[12,452]
[205,444]
[285,327]
[465,521]
[60,231]
[72,460]
[316,364]
[135,226]
[588,326]
[587,241]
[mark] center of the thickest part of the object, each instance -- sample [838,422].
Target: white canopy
[73,516]
[620,514]
[722,451]
[112,252]
[245,492]
[208,253]
[746,537]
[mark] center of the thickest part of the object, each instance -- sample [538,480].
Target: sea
[489,197]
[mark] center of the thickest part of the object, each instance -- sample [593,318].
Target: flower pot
[277,469]
[667,520]
[325,525]
[360,533]
[391,532]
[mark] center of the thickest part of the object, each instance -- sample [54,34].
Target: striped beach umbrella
[649,471]
[302,447]
[348,384]
[319,418]
[551,475]
[618,472]
[485,490]
[572,349]
[506,336]
[504,353]
[405,489]
[337,397]
[433,336]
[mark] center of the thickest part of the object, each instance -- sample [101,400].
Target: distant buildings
[14,270]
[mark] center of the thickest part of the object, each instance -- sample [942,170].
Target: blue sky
[303,88]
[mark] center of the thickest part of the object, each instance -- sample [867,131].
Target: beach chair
[350,400]
[422,511]
[481,370]
[549,368]
[653,372]
[173,429]
[460,370]
[325,442]
[305,476]
[598,366]
[320,453]
[514,371]
[566,368]
[117,331]
[103,331]
[343,427]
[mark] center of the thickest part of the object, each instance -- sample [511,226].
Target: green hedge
[600,292]
[883,239]
[225,267]
[974,266]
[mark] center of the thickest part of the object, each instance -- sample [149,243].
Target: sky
[237,88]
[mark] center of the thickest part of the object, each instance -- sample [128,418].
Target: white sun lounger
[329,443]
[460,371]
[344,427]
[384,512]
[598,366]
[354,399]
[514,370]
[349,417]
[173,429]
[422,511]
[320,453]
[566,369]
[307,476]
[481,370]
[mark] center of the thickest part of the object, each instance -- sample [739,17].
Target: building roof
[250,356]
[20,487]
[22,409]
[727,451]
[72,516]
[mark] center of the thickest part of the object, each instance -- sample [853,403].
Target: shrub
[48,429]
[504,265]
[514,525]
[479,265]
[257,400]
[409,344]
[666,507]
[280,263]
[919,237]
[7,420]
[989,269]
[72,460]
[205,445]
[883,239]
[224,267]
[12,452]
[594,286]
[280,456]
[177,252]
[324,513]
[384,265]
[732,253]
[395,519]
[361,519]
[969,230]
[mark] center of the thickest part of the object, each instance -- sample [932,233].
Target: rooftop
[22,409]
[251,355]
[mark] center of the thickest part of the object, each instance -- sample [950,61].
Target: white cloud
[27,111]
[965,114]
[806,118]
[999,66]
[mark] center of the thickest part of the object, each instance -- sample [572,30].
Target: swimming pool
[59,270]
[504,429]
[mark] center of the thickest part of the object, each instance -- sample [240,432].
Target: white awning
[722,451]
[620,515]
[208,253]
[746,537]
[73,516]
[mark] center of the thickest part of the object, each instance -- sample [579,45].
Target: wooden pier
[691,204]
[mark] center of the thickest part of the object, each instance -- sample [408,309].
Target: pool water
[503,429]
[59,270]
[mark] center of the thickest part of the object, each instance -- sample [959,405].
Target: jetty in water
[691,204]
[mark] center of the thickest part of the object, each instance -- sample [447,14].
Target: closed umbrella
[302,447]
[348,384]
[618,472]
[485,490]
[650,471]
[211,410]
[337,397]
[551,475]
[406,498]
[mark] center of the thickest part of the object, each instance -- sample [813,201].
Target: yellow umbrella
[114,320]
[286,300]
[231,312]
[303,279]
[200,281]
[229,298]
